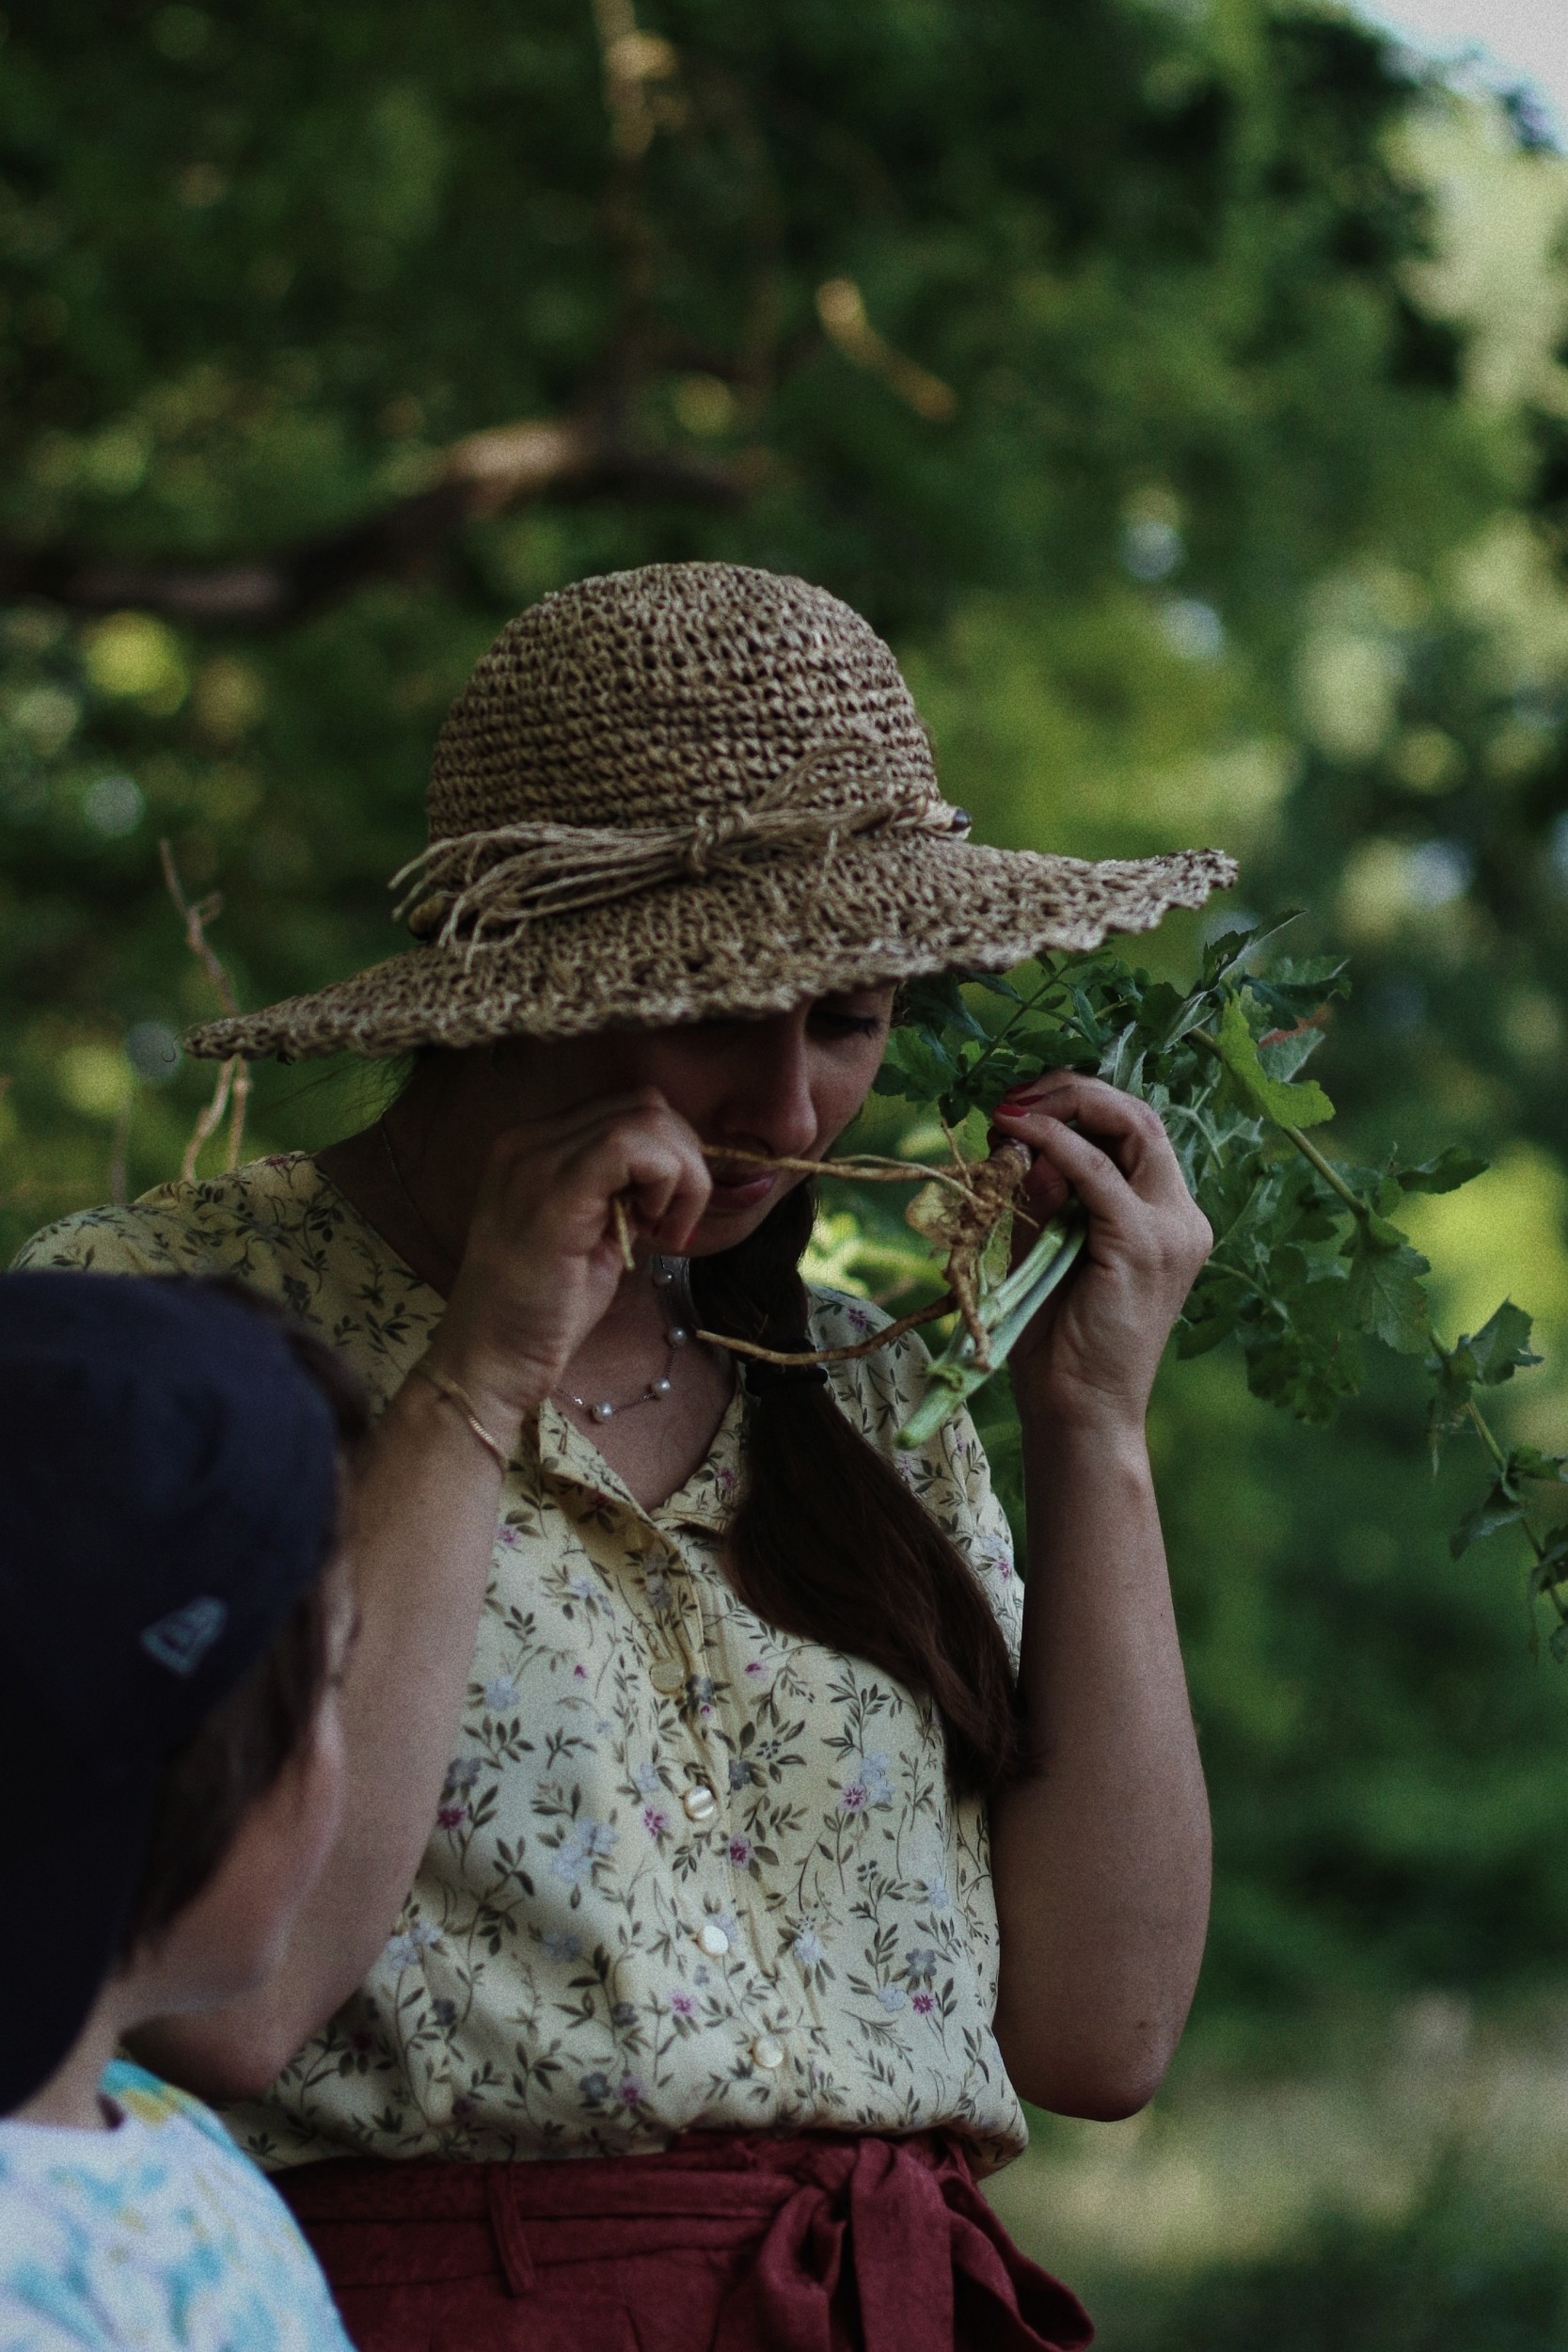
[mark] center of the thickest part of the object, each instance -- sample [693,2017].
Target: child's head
[173,1606]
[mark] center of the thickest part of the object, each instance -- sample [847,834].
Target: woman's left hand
[1093,1350]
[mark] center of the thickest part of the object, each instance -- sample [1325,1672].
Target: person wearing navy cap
[175,1611]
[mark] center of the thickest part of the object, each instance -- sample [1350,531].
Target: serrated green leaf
[1497,1510]
[1528,1461]
[1213,1306]
[1224,956]
[1288,1105]
[1304,1356]
[1446,1173]
[923,1062]
[1386,1296]
[931,1002]
[1551,1569]
[1501,1346]
[1283,1052]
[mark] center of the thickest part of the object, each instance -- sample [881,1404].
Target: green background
[1177,386]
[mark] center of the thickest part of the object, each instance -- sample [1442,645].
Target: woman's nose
[770,1096]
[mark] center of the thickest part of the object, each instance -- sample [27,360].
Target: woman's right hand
[543,1257]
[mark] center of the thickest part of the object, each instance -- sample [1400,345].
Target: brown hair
[210,1784]
[830,1543]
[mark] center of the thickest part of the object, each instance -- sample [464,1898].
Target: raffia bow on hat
[693,791]
[479,886]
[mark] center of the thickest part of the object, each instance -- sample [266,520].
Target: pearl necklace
[669,1277]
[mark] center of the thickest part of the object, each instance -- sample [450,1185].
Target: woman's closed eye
[846,1024]
[831,1020]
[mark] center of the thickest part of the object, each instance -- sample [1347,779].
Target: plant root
[869,1346]
[965,1228]
[623,1232]
[975,1195]
[865,1168]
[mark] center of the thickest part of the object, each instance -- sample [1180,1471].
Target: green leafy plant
[1309,1262]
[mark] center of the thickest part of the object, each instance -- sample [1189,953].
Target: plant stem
[1327,1170]
[1006,1312]
[1304,1144]
[1487,1438]
[1050,980]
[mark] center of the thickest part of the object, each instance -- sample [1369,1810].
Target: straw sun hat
[690,790]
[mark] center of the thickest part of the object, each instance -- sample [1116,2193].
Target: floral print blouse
[686,1870]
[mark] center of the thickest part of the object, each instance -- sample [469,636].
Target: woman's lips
[739,1185]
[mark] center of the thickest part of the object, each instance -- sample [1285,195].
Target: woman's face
[787,1084]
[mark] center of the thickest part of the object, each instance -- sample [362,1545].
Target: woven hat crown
[691,791]
[641,697]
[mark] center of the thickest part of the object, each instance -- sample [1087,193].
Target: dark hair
[210,1784]
[829,1542]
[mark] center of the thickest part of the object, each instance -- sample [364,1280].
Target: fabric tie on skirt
[727,2243]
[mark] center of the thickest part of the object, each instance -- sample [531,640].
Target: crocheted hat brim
[748,940]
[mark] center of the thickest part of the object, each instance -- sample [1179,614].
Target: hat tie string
[480,887]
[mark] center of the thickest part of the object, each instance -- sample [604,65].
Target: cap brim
[751,939]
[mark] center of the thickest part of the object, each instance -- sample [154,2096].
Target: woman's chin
[736,1210]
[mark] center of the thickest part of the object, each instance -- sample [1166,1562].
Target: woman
[751,1879]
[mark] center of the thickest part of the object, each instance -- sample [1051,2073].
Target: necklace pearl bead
[657,1390]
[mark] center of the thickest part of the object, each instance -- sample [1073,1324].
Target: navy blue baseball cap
[168,1493]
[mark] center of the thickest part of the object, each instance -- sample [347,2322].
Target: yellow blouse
[686,1870]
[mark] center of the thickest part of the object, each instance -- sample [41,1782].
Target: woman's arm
[1101,1848]
[540,1266]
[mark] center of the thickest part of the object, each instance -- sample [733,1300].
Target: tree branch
[480,476]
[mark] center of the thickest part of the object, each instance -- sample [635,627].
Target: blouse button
[713,1939]
[767,2053]
[699,1802]
[668,1676]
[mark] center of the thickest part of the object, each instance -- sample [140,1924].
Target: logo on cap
[181,1640]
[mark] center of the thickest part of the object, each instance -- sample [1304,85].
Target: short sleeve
[101,1241]
[237,1225]
[151,2099]
[949,1472]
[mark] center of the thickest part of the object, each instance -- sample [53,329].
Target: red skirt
[728,2242]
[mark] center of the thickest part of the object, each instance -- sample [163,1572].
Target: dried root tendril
[958,1211]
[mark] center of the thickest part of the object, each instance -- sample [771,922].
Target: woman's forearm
[1101,1846]
[423,1534]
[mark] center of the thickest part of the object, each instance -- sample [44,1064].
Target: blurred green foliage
[1462,2269]
[1113,356]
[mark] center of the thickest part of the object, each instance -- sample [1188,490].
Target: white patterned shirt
[154,2234]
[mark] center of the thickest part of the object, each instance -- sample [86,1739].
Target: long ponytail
[829,1542]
